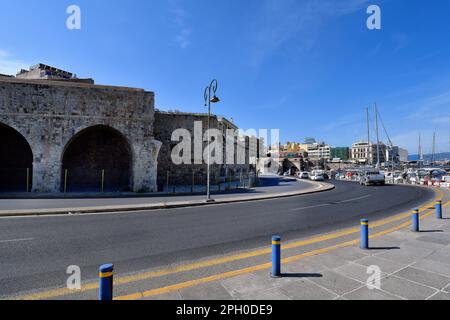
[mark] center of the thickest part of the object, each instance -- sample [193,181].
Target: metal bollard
[439,209]
[103,181]
[28,179]
[415,221]
[66,173]
[106,282]
[276,257]
[364,234]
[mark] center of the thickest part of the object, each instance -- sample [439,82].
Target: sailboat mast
[378,137]
[368,137]
[420,150]
[434,149]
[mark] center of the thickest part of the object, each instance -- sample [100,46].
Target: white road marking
[311,207]
[354,199]
[16,240]
[329,204]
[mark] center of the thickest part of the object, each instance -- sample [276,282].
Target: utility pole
[378,137]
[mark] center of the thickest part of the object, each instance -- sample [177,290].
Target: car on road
[340,176]
[395,177]
[372,177]
[317,177]
[413,178]
[303,175]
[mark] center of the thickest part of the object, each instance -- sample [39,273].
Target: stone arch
[16,161]
[95,152]
[289,165]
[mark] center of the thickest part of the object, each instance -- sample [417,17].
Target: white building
[397,154]
[403,155]
[318,151]
[363,152]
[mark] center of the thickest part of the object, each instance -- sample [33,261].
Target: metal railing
[173,183]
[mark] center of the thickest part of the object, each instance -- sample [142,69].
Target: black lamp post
[210,97]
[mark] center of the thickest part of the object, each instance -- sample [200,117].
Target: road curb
[162,205]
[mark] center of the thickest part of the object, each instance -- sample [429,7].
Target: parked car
[372,177]
[303,175]
[317,177]
[413,178]
[340,176]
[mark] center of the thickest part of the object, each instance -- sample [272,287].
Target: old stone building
[170,173]
[58,135]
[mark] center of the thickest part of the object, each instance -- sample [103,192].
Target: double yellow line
[218,261]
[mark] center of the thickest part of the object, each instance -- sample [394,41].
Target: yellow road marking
[213,262]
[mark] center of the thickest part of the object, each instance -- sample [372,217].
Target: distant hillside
[427,157]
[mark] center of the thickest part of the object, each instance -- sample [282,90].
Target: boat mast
[420,150]
[378,137]
[434,149]
[369,153]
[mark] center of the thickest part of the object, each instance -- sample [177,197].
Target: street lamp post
[210,90]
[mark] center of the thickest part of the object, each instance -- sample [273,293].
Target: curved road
[35,252]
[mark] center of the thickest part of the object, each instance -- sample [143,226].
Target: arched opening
[16,161]
[97,159]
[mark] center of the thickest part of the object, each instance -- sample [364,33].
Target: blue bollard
[364,234]
[276,257]
[415,221]
[439,209]
[106,282]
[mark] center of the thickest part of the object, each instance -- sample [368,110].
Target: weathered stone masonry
[49,114]
[182,174]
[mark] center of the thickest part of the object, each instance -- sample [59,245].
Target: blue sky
[306,67]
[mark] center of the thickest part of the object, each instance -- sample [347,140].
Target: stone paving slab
[209,291]
[407,289]
[440,296]
[385,265]
[337,283]
[427,278]
[355,271]
[306,290]
[271,294]
[364,293]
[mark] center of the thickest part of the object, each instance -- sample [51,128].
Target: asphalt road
[35,252]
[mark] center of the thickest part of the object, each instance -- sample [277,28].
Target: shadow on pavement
[301,275]
[384,248]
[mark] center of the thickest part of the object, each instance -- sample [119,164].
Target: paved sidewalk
[414,266]
[272,187]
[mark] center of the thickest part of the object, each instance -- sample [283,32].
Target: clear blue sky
[306,67]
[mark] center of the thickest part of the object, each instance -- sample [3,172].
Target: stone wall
[184,174]
[50,114]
